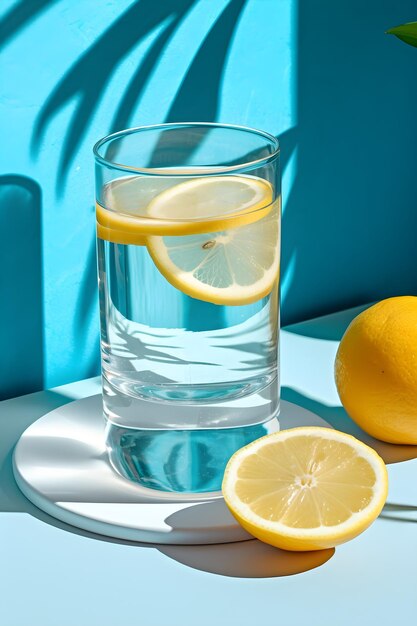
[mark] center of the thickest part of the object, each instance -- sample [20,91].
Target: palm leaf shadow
[132,346]
[141,77]
[19,16]
[88,78]
[198,99]
[287,142]
[198,96]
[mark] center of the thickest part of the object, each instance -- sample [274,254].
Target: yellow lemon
[376,370]
[305,488]
[234,260]
[214,238]
[138,206]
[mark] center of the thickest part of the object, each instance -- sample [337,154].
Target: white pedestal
[61,465]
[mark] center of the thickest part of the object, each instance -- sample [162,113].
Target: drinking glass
[188,246]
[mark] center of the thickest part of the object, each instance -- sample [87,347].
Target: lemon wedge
[305,488]
[235,259]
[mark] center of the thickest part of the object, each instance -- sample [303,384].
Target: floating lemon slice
[138,206]
[305,488]
[235,260]
[123,219]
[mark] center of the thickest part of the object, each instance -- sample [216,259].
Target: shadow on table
[337,417]
[328,327]
[246,559]
[331,328]
[399,512]
[14,419]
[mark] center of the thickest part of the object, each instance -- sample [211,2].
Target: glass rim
[205,170]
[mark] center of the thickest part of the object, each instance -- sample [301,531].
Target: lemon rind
[143,225]
[354,525]
[236,295]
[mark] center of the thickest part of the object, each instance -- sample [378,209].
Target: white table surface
[55,575]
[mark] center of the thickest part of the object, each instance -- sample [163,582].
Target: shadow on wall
[20,15]
[86,80]
[350,220]
[21,312]
[85,310]
[198,94]
[349,224]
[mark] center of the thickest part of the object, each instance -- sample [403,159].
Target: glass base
[181,461]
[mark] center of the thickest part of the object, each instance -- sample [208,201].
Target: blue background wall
[320,74]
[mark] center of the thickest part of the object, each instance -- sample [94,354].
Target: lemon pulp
[215,238]
[305,488]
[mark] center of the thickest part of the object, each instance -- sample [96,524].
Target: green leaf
[405,32]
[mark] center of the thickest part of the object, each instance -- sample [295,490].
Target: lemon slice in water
[137,206]
[235,261]
[305,488]
[123,218]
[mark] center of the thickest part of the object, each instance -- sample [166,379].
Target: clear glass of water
[188,241]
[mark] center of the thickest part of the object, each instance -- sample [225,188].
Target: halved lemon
[235,261]
[137,206]
[306,488]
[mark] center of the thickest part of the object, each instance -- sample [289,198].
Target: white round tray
[61,465]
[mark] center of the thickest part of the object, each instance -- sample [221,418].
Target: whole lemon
[376,370]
